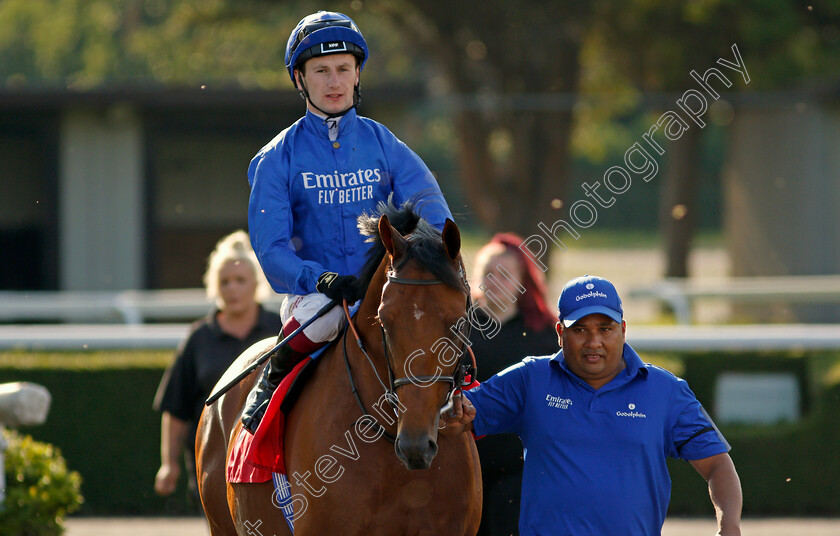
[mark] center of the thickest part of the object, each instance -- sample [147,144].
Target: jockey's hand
[460,419]
[339,287]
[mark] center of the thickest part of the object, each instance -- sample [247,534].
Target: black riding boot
[280,364]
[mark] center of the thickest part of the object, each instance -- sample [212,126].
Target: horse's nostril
[416,453]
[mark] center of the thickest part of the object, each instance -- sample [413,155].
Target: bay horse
[399,375]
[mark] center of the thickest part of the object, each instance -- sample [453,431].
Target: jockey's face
[237,287]
[330,81]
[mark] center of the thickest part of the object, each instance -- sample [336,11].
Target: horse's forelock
[404,219]
[425,245]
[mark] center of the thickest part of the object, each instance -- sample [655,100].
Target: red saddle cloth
[254,457]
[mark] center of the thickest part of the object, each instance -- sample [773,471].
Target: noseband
[393,383]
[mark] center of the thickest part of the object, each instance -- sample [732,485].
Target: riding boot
[281,363]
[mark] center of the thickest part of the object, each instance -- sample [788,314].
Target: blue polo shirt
[595,461]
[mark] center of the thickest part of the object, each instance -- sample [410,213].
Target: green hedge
[101,418]
[785,469]
[102,421]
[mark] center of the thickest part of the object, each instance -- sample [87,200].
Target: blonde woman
[235,282]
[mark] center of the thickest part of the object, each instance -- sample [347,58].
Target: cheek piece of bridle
[455,381]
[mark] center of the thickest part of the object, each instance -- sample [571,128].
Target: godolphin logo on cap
[589,295]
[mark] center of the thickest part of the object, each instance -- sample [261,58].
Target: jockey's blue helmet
[321,33]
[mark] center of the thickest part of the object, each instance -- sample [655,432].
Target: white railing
[680,294]
[730,338]
[127,306]
[174,305]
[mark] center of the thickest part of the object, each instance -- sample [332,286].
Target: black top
[510,345]
[201,360]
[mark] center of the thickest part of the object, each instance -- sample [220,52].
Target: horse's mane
[425,244]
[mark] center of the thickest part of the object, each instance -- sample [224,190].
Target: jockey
[312,181]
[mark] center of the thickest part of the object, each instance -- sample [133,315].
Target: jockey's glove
[339,287]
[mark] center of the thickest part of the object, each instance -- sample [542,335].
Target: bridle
[455,380]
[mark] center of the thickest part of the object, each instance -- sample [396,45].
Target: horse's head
[424,303]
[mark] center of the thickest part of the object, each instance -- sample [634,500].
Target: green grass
[86,360]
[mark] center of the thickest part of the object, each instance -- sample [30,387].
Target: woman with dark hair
[511,290]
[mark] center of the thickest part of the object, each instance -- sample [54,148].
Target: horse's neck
[364,320]
[368,327]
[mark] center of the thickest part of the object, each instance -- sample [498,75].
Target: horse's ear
[392,240]
[451,239]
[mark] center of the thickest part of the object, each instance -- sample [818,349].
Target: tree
[513,70]
[657,43]
[510,68]
[86,44]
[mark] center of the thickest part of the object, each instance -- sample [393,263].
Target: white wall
[782,196]
[101,203]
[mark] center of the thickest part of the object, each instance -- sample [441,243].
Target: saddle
[253,458]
